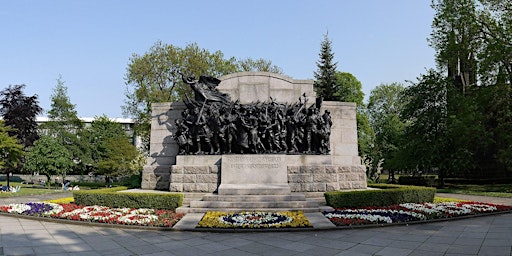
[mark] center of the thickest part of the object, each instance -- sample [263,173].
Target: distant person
[57,182]
[66,185]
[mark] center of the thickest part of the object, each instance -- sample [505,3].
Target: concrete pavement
[489,235]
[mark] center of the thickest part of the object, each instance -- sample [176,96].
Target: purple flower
[38,208]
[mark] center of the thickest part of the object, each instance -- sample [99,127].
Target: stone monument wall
[250,87]
[342,169]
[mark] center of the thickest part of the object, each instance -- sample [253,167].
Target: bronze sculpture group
[213,124]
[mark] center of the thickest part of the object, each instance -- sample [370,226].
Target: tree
[11,151]
[472,42]
[455,38]
[426,113]
[348,88]
[494,22]
[385,107]
[112,153]
[325,76]
[64,124]
[19,112]
[120,158]
[155,77]
[62,114]
[495,73]
[250,64]
[48,157]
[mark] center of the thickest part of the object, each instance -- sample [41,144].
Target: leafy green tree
[19,112]
[495,74]
[455,38]
[111,150]
[11,151]
[348,88]
[494,23]
[472,42]
[325,76]
[155,77]
[120,158]
[385,106]
[426,114]
[48,157]
[263,65]
[467,141]
[64,124]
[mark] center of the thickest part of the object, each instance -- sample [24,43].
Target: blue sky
[90,42]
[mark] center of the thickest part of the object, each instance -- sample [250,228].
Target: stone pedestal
[254,175]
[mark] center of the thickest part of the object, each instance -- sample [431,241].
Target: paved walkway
[489,235]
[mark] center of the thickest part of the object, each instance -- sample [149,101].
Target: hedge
[11,178]
[112,198]
[384,195]
[427,181]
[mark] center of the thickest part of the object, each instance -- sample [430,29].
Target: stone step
[254,198]
[185,209]
[254,189]
[253,205]
[192,196]
[316,196]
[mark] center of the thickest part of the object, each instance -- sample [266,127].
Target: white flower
[255,219]
[451,208]
[142,211]
[57,208]
[18,208]
[141,219]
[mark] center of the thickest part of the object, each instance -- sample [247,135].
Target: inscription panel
[254,169]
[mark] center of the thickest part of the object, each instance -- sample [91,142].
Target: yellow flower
[65,200]
[288,219]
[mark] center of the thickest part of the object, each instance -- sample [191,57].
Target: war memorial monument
[253,141]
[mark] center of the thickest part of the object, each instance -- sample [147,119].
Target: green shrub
[133,181]
[11,178]
[385,195]
[426,181]
[112,198]
[91,185]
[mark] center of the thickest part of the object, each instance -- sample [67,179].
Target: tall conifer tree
[65,126]
[325,83]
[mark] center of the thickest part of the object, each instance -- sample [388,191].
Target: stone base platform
[238,203]
[254,189]
[253,183]
[302,173]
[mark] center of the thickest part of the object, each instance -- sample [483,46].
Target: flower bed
[100,214]
[289,219]
[410,212]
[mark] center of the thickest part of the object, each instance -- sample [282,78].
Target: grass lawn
[27,190]
[496,190]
